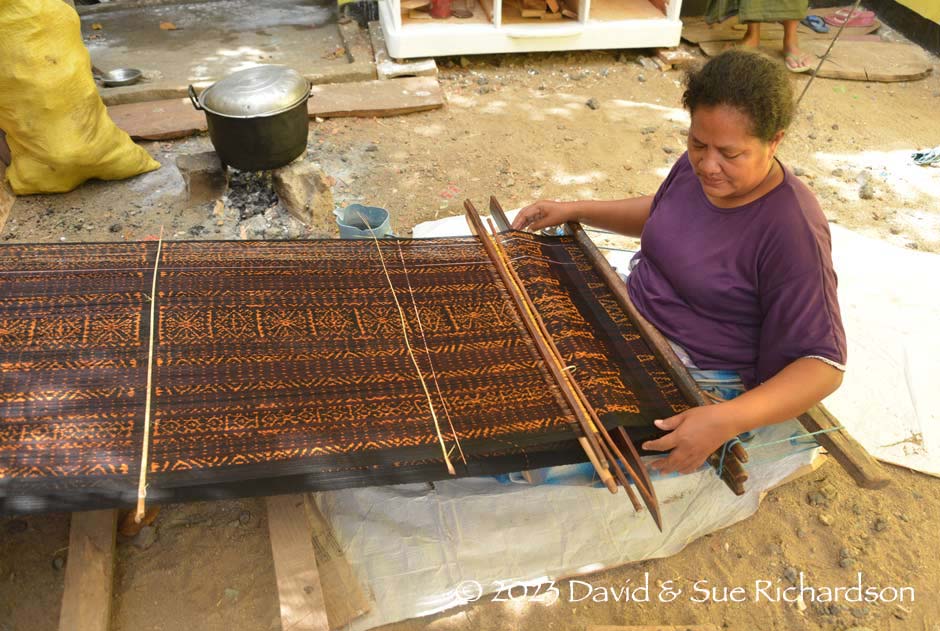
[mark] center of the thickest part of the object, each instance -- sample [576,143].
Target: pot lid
[258,91]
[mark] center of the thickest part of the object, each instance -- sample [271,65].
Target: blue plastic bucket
[351,225]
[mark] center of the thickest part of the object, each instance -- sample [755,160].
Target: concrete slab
[210,39]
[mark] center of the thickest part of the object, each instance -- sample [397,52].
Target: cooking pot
[257,118]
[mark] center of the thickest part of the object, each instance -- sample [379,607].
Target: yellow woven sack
[57,126]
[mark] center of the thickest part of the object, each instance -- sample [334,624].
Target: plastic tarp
[889,399]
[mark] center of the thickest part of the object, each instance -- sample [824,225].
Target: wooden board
[177,118]
[855,60]
[89,573]
[696,30]
[343,595]
[376,98]
[857,462]
[295,565]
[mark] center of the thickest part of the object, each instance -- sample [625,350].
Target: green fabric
[756,10]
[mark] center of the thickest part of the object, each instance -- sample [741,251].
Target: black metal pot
[257,118]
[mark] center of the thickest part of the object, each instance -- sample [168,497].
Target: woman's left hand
[693,436]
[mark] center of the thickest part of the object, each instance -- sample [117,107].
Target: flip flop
[846,12]
[795,63]
[861,18]
[816,23]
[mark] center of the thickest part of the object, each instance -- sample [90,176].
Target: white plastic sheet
[421,549]
[890,399]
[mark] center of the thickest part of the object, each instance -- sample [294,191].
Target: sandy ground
[519,127]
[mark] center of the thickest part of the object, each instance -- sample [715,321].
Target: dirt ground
[520,127]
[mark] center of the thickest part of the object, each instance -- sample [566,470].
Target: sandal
[861,18]
[815,23]
[796,63]
[847,12]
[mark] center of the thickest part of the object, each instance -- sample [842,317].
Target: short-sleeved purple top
[749,289]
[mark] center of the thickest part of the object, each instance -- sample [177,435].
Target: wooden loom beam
[608,447]
[608,444]
[857,462]
[733,472]
[588,441]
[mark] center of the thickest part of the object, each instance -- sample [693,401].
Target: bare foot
[751,38]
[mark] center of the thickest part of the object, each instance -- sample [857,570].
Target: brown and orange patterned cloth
[282,366]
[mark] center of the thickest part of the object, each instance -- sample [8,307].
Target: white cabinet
[497,26]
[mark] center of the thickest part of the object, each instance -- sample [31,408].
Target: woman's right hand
[542,214]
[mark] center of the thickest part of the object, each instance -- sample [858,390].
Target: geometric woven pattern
[281,366]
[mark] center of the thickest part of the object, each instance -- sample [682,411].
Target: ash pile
[292,202]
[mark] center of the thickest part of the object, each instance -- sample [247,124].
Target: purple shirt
[749,289]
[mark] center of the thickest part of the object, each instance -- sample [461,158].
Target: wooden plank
[857,462]
[391,97]
[854,60]
[802,29]
[158,120]
[89,574]
[295,565]
[696,30]
[343,595]
[177,118]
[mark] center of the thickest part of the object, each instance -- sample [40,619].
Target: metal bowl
[121,76]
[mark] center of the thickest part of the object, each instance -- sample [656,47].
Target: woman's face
[729,162]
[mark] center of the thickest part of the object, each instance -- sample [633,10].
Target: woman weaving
[735,260]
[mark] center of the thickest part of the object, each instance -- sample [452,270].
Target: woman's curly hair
[748,81]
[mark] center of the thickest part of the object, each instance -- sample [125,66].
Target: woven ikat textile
[282,366]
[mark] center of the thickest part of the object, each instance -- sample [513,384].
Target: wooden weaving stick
[411,353]
[608,445]
[427,352]
[733,472]
[145,449]
[631,462]
[588,441]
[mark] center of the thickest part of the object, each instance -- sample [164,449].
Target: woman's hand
[542,214]
[693,436]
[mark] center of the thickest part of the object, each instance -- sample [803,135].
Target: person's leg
[751,37]
[795,58]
